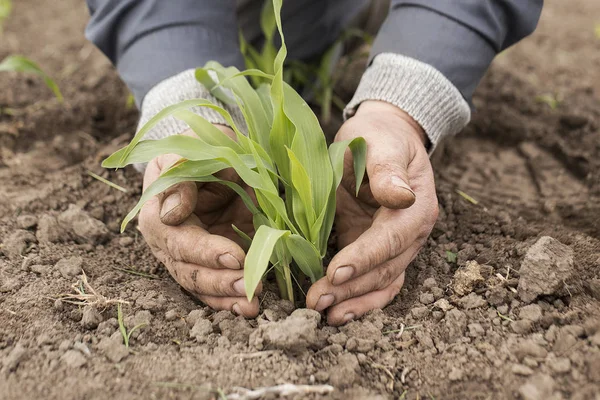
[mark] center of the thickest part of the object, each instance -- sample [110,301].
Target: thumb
[387,168]
[179,201]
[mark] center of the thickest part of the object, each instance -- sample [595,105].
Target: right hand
[188,228]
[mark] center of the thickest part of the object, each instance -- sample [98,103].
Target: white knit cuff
[176,89]
[417,88]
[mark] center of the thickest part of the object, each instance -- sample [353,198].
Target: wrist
[406,122]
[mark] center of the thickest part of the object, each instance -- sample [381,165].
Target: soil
[503,302]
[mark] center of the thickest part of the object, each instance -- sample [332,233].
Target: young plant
[24,64]
[285,147]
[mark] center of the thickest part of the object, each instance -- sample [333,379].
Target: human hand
[381,231]
[188,228]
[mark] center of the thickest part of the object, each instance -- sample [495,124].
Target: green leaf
[304,212]
[306,256]
[23,64]
[257,259]
[203,76]
[247,239]
[207,131]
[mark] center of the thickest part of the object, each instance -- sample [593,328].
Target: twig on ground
[466,197]
[287,389]
[86,295]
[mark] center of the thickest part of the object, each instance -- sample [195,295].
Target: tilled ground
[503,302]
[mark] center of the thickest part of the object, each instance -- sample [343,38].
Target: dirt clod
[69,267]
[17,243]
[84,227]
[531,312]
[49,231]
[344,374]
[90,318]
[113,348]
[546,268]
[538,387]
[456,324]
[27,221]
[201,329]
[467,278]
[294,334]
[74,359]
[14,358]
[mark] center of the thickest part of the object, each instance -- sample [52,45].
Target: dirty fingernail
[324,301]
[342,274]
[228,261]
[236,309]
[399,182]
[170,203]
[239,287]
[349,317]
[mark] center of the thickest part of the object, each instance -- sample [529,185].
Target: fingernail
[236,309]
[348,317]
[228,261]
[324,301]
[399,182]
[170,203]
[239,287]
[342,274]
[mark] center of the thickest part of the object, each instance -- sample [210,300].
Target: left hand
[381,231]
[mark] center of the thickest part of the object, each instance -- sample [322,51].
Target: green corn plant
[284,148]
[24,64]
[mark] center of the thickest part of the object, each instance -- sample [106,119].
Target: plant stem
[289,282]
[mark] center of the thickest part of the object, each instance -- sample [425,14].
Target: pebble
[532,312]
[74,359]
[27,221]
[69,267]
[560,365]
[426,298]
[547,265]
[91,317]
[520,369]
[201,329]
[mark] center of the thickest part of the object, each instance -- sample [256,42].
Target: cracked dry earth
[502,303]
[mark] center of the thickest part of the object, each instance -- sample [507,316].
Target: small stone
[69,267]
[83,226]
[27,221]
[443,305]
[560,365]
[522,326]
[201,329]
[532,312]
[419,312]
[547,265]
[90,318]
[126,241]
[538,387]
[113,348]
[429,283]
[529,348]
[426,298]
[171,315]
[198,314]
[49,231]
[520,369]
[466,279]
[476,330]
[73,359]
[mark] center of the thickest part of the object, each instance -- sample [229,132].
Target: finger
[323,294]
[177,203]
[203,281]
[358,306]
[238,305]
[387,168]
[391,234]
[189,242]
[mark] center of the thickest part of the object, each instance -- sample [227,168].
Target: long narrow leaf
[306,256]
[24,64]
[257,259]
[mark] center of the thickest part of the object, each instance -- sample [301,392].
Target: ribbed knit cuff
[176,89]
[418,89]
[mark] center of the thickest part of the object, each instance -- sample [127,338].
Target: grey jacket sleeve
[430,55]
[152,40]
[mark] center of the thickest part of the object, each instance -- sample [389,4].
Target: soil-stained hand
[381,231]
[188,228]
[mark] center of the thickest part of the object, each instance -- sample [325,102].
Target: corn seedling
[24,64]
[285,147]
[126,334]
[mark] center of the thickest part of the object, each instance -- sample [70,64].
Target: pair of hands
[380,232]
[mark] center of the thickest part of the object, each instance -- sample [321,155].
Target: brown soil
[534,170]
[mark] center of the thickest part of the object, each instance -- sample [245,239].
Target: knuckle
[385,275]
